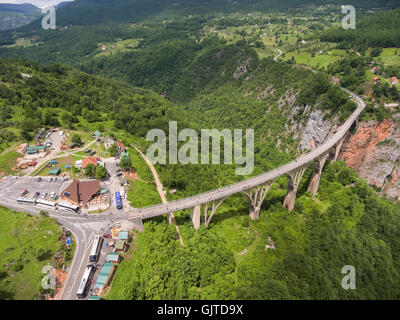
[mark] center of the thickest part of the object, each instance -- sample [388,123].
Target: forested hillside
[376,30]
[32,96]
[297,255]
[126,67]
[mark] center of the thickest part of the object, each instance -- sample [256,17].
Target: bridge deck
[216,194]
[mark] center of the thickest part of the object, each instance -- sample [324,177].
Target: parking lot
[11,187]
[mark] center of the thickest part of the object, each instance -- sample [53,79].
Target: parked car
[55,179]
[24,192]
[44,195]
[50,179]
[38,179]
[107,235]
[52,194]
[37,194]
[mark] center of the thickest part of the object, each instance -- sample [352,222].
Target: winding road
[279,54]
[216,194]
[84,227]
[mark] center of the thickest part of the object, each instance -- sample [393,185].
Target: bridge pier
[294,178]
[206,210]
[316,175]
[195,216]
[212,208]
[338,147]
[256,197]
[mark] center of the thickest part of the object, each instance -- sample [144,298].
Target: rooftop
[93,160]
[81,191]
[123,235]
[120,245]
[112,256]
[54,171]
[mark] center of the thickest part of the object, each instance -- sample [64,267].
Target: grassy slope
[21,236]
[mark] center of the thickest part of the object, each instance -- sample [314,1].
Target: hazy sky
[37,3]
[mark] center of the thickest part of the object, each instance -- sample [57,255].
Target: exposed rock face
[374,153]
[240,70]
[315,132]
[270,244]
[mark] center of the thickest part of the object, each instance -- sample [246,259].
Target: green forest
[375,30]
[347,225]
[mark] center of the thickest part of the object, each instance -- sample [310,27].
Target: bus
[46,203]
[83,286]
[66,206]
[118,200]
[26,200]
[94,254]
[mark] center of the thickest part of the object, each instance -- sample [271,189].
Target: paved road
[277,56]
[190,202]
[84,227]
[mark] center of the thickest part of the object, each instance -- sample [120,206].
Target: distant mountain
[16,15]
[22,8]
[62,4]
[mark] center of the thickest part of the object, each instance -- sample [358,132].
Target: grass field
[118,47]
[266,52]
[27,243]
[142,192]
[7,160]
[319,60]
[62,162]
[389,57]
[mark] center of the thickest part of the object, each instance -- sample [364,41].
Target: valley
[324,192]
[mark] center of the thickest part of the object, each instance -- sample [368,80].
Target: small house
[90,160]
[97,134]
[108,142]
[120,245]
[394,80]
[377,80]
[78,164]
[373,70]
[120,146]
[105,275]
[123,235]
[35,149]
[54,171]
[113,257]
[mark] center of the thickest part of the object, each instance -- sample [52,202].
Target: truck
[23,192]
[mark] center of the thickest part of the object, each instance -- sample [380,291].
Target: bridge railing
[261,178]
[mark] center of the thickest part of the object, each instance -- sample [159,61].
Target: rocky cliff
[374,151]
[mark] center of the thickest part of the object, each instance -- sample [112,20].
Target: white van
[122,193]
